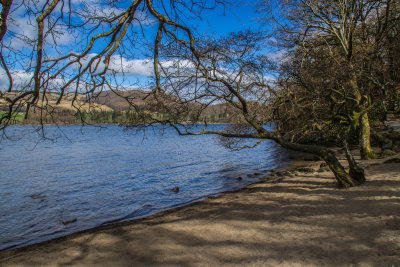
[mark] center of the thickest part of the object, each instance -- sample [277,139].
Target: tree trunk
[356,172]
[6,6]
[342,177]
[363,126]
[365,138]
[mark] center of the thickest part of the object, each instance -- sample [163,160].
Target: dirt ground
[303,220]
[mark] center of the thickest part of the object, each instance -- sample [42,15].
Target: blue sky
[219,21]
[225,19]
[231,18]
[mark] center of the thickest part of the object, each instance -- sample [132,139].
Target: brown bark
[363,127]
[6,5]
[365,138]
[343,179]
[355,171]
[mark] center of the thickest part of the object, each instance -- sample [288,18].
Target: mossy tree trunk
[343,178]
[362,125]
[365,138]
[355,171]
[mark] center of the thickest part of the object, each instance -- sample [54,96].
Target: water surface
[81,178]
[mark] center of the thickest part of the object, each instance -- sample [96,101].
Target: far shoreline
[106,124]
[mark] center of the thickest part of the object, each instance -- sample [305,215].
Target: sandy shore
[304,220]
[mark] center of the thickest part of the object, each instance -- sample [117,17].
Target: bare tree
[231,70]
[74,50]
[191,72]
[352,32]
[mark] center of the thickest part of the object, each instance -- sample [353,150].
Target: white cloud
[135,67]
[139,67]
[21,79]
[277,55]
[145,67]
[22,30]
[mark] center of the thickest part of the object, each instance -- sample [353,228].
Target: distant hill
[49,112]
[51,100]
[109,107]
[123,100]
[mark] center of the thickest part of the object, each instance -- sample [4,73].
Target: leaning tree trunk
[355,171]
[342,177]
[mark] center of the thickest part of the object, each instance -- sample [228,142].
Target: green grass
[16,117]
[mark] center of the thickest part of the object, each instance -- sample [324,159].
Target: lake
[83,177]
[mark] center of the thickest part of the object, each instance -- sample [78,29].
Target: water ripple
[105,176]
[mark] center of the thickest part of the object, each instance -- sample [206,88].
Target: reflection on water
[100,175]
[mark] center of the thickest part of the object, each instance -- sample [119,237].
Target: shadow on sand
[303,220]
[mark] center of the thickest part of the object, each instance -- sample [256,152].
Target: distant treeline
[102,117]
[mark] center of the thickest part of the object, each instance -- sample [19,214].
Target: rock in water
[175,189]
[69,221]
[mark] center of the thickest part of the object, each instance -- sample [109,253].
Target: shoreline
[108,124]
[236,219]
[265,178]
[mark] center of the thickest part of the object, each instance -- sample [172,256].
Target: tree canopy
[321,72]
